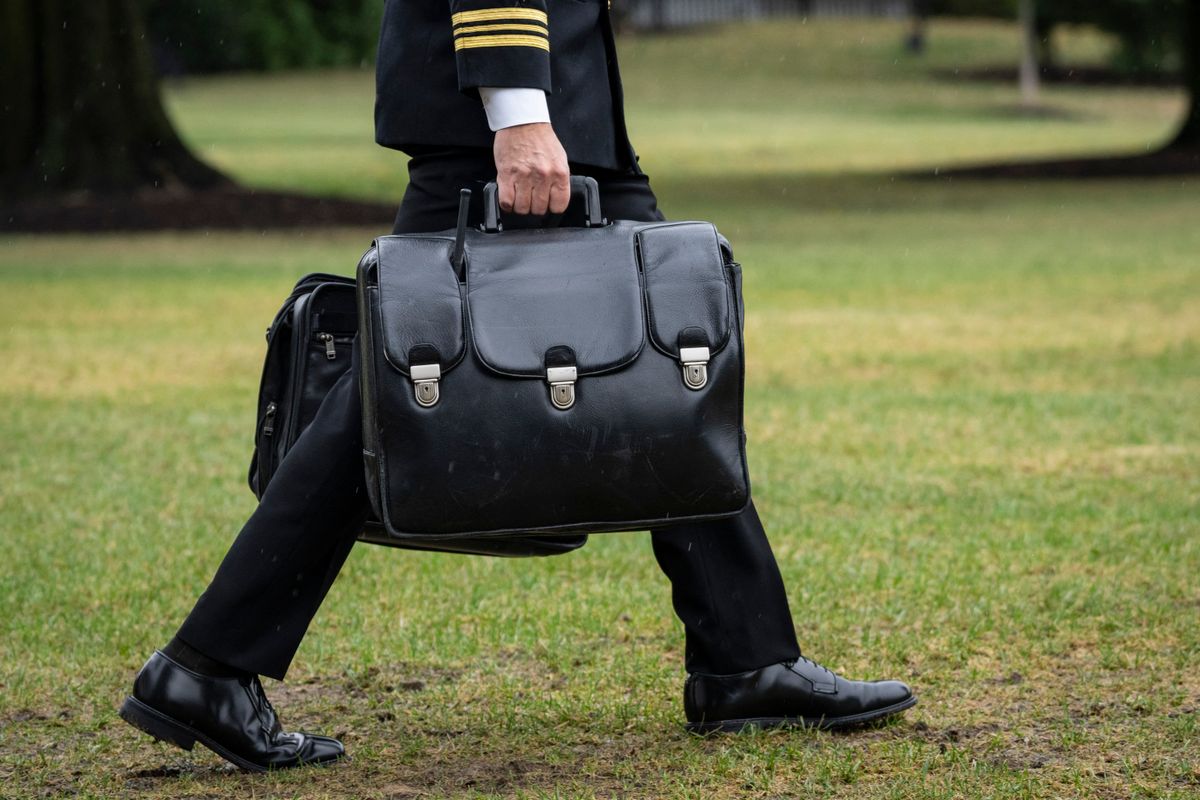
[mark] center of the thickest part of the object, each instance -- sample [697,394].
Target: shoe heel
[146,719]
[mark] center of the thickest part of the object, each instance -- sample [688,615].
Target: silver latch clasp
[562,386]
[695,366]
[425,379]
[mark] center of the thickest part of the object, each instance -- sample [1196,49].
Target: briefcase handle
[580,185]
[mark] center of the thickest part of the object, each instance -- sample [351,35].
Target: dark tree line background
[81,107]
[221,35]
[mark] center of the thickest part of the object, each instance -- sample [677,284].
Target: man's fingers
[522,195]
[549,192]
[517,194]
[539,200]
[527,193]
[560,194]
[507,193]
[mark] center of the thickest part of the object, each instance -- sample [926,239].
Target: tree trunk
[659,15]
[918,24]
[1047,57]
[1029,79]
[81,106]
[1189,133]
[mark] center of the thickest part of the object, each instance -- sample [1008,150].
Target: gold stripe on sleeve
[492,14]
[500,40]
[467,29]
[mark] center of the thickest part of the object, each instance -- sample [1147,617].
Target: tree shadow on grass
[1165,163]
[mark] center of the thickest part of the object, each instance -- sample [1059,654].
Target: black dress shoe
[799,693]
[230,716]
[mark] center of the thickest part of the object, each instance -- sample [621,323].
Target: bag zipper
[330,341]
[268,428]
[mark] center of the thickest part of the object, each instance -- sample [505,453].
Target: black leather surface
[532,290]
[422,294]
[311,320]
[686,284]
[494,457]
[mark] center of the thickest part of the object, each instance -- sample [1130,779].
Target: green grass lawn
[974,434]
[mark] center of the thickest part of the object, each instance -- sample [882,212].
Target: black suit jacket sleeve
[434,54]
[503,43]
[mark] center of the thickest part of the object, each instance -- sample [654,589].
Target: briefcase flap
[533,291]
[544,297]
[687,290]
[419,302]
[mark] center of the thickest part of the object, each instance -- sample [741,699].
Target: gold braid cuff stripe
[492,14]
[500,40]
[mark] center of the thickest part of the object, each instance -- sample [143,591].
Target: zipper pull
[269,419]
[330,350]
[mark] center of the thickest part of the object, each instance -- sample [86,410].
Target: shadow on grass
[1164,163]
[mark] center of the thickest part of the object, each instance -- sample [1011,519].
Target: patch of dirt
[160,772]
[181,765]
[357,686]
[961,734]
[487,772]
[1020,759]
[397,791]
[23,715]
[226,208]
[1011,679]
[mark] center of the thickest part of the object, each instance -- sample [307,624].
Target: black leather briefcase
[551,380]
[308,349]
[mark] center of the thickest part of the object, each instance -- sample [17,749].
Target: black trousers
[726,586]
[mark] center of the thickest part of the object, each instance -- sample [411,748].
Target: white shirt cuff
[509,106]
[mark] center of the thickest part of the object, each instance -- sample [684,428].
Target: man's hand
[531,170]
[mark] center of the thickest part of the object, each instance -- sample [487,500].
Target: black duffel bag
[552,380]
[308,349]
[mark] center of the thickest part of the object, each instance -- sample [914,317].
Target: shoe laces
[267,714]
[812,663]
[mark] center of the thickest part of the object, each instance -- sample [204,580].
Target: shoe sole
[165,729]
[818,723]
